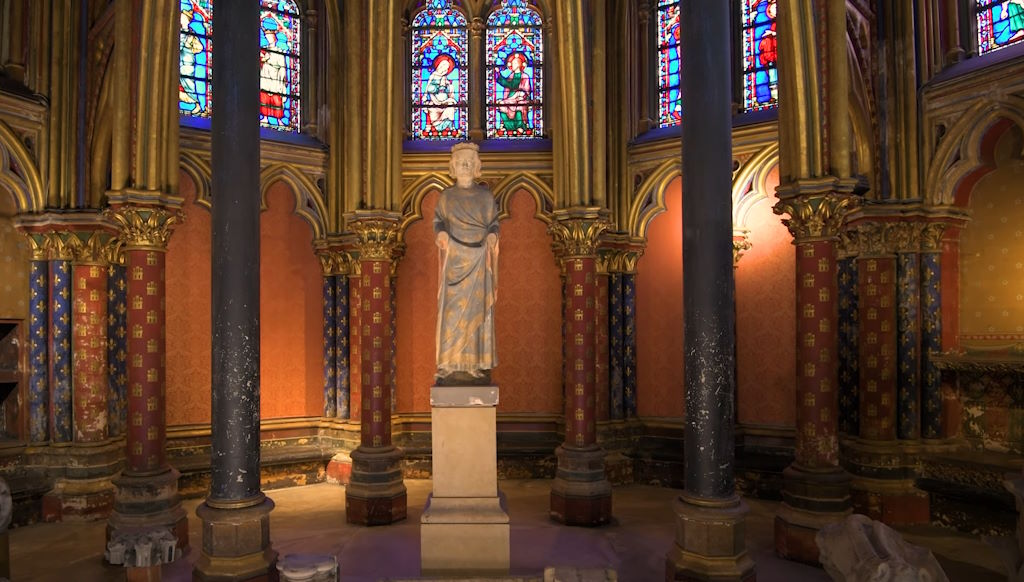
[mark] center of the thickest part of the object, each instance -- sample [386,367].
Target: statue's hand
[442,240]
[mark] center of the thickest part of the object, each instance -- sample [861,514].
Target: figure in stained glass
[439,63]
[194,59]
[279,74]
[760,55]
[1000,24]
[670,104]
[514,59]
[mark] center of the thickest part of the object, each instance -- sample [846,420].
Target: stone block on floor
[859,548]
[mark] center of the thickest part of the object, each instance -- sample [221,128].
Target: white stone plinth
[464,528]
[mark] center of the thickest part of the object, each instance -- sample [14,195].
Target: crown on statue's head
[466,145]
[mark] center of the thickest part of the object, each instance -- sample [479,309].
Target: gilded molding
[874,239]
[335,262]
[144,226]
[740,245]
[37,243]
[57,246]
[577,231]
[621,260]
[376,235]
[904,237]
[815,216]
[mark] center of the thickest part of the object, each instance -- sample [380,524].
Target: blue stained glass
[760,56]
[670,105]
[515,56]
[195,57]
[279,65]
[439,72]
[1000,24]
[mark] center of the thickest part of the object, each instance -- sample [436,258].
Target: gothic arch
[199,170]
[308,203]
[649,200]
[750,183]
[532,184]
[415,192]
[961,152]
[18,172]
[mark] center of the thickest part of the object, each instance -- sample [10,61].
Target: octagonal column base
[710,543]
[236,544]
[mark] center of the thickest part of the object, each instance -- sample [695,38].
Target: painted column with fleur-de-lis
[622,261]
[580,494]
[376,493]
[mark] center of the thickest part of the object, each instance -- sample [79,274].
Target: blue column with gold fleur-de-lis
[908,365]
[117,348]
[629,384]
[330,344]
[38,329]
[931,330]
[849,404]
[341,333]
[616,380]
[60,349]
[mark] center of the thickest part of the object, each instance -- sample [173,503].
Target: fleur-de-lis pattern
[60,351]
[89,352]
[931,342]
[908,297]
[330,346]
[849,411]
[876,298]
[117,348]
[342,356]
[38,329]
[616,405]
[629,383]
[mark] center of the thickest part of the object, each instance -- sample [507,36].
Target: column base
[146,502]
[710,543]
[581,494]
[375,494]
[812,499]
[339,469]
[236,544]
[78,499]
[883,484]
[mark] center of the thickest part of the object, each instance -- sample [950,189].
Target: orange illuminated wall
[291,324]
[765,318]
[659,312]
[14,262]
[766,321]
[527,315]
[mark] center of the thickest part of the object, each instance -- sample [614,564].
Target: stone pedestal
[375,494]
[581,494]
[148,502]
[236,543]
[812,499]
[465,527]
[710,542]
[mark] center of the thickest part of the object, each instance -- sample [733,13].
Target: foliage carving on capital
[740,245]
[815,216]
[144,226]
[95,247]
[38,246]
[931,236]
[618,260]
[577,235]
[874,238]
[377,238]
[904,237]
[335,262]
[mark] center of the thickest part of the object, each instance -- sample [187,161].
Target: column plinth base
[146,502]
[82,490]
[710,544]
[339,469]
[812,499]
[883,485]
[78,499]
[375,494]
[581,494]
[236,544]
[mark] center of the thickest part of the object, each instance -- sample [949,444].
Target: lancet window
[1000,23]
[440,60]
[670,105]
[515,54]
[760,72]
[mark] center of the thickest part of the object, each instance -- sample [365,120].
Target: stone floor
[311,520]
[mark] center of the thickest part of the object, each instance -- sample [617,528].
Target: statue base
[464,529]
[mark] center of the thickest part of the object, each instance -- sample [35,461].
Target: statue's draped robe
[468,280]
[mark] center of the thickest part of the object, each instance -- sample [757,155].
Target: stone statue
[858,549]
[466,230]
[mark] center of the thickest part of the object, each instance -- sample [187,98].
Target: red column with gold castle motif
[147,489]
[816,489]
[376,493]
[580,493]
[89,346]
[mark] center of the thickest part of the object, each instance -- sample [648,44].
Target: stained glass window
[279,62]
[1000,23]
[194,61]
[760,71]
[515,56]
[670,105]
[279,65]
[439,72]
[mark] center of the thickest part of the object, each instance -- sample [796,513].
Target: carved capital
[740,245]
[37,243]
[92,247]
[376,236]
[58,247]
[618,260]
[476,28]
[931,236]
[576,231]
[873,238]
[815,216]
[147,227]
[335,262]
[904,237]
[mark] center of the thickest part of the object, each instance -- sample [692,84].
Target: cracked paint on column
[89,352]
[146,432]
[376,349]
[60,351]
[580,313]
[817,444]
[38,330]
[117,348]
[341,333]
[931,342]
[877,342]
[330,330]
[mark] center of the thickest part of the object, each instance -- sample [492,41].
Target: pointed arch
[199,170]
[18,172]
[532,184]
[649,200]
[415,192]
[961,152]
[308,202]
[750,183]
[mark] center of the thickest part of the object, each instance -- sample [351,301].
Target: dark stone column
[710,515]
[236,514]
[376,493]
[580,493]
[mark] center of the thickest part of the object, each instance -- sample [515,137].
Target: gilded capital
[874,238]
[146,227]
[58,247]
[931,236]
[576,231]
[376,236]
[335,262]
[92,247]
[815,216]
[904,237]
[619,260]
[740,245]
[37,243]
